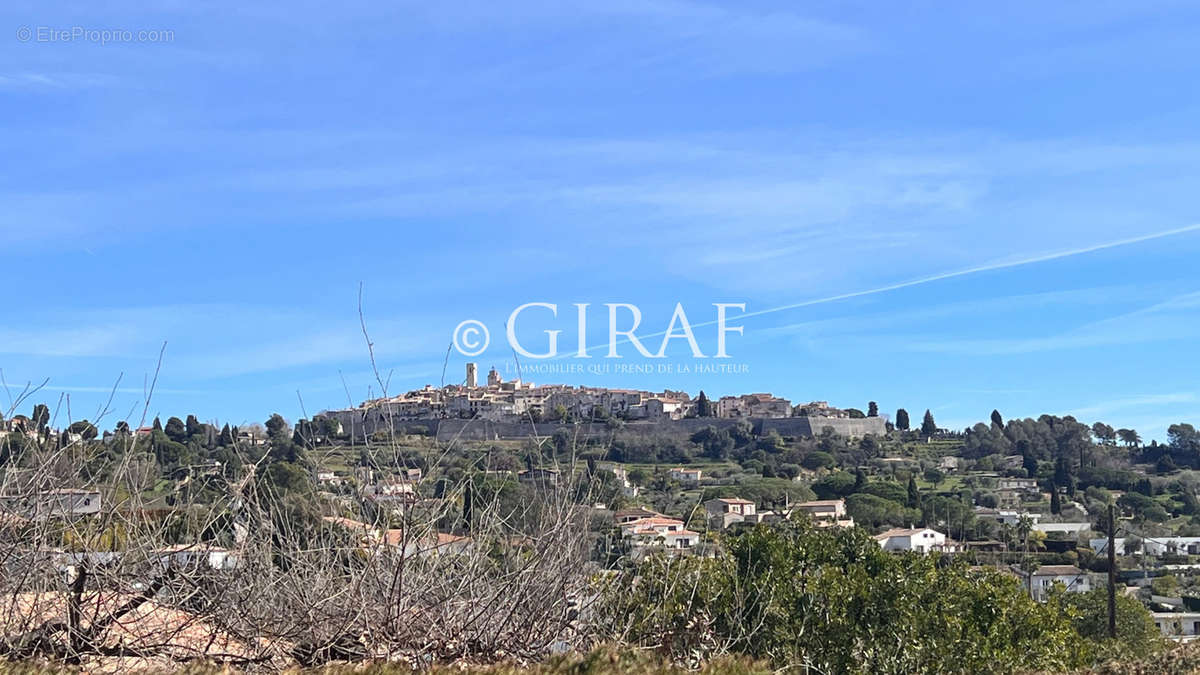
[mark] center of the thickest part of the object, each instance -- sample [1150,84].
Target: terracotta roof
[150,626]
[427,541]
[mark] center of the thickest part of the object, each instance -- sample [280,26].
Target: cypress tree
[928,426]
[914,493]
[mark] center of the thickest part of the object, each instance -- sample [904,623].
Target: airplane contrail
[971,270]
[939,277]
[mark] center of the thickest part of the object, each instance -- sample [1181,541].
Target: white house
[1073,579]
[1016,483]
[1156,546]
[680,540]
[919,540]
[1179,626]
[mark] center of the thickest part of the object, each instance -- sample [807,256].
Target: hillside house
[950,464]
[539,477]
[629,515]
[58,503]
[1178,626]
[827,512]
[1157,546]
[1005,483]
[685,476]
[1073,579]
[192,556]
[1067,529]
[622,475]
[1010,498]
[918,540]
[669,533]
[724,512]
[1007,516]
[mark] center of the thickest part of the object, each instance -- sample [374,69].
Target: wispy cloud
[1124,404]
[1172,319]
[989,267]
[53,81]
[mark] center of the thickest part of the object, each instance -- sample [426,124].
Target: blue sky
[227,192]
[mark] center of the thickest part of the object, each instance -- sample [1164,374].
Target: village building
[753,405]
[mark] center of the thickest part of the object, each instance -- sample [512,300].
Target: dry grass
[604,661]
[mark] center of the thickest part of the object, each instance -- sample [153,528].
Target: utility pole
[1112,572]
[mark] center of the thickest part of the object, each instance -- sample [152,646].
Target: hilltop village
[1022,512]
[514,403]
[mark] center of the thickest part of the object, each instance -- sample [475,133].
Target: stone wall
[360,425]
[480,430]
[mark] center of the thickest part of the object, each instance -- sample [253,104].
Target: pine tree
[41,417]
[226,438]
[902,419]
[1055,500]
[860,479]
[928,426]
[914,493]
[1030,464]
[176,430]
[191,426]
[872,409]
[997,419]
[703,405]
